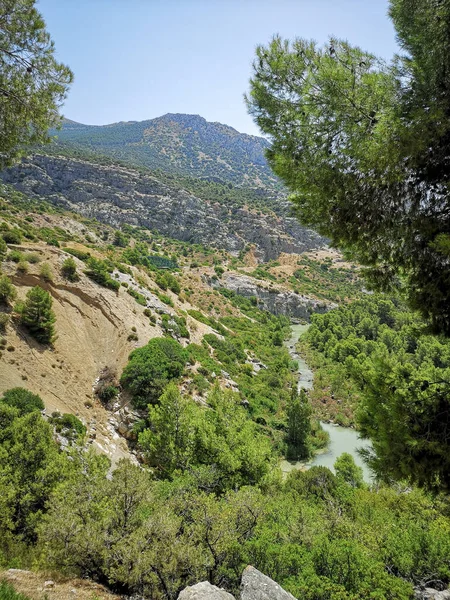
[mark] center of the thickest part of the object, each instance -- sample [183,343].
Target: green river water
[342,439]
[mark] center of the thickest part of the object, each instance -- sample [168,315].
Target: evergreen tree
[37,315]
[347,470]
[299,426]
[32,82]
[169,443]
[7,290]
[364,147]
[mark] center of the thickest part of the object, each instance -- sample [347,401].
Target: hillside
[178,143]
[97,327]
[118,195]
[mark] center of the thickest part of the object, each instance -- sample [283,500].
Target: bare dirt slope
[38,586]
[92,324]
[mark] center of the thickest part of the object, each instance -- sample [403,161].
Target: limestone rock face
[432,594]
[274,300]
[256,586]
[117,195]
[204,591]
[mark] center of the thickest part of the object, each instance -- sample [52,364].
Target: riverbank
[342,439]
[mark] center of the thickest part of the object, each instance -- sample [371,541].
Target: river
[342,439]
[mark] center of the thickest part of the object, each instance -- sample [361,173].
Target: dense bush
[23,400]
[150,369]
[99,271]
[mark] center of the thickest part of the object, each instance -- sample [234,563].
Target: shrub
[99,271]
[8,292]
[32,257]
[23,400]
[46,272]
[4,320]
[69,425]
[107,386]
[80,254]
[3,248]
[12,236]
[15,256]
[7,592]
[151,368]
[140,299]
[22,267]
[37,315]
[69,269]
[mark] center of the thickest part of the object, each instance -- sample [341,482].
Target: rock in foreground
[256,586]
[204,591]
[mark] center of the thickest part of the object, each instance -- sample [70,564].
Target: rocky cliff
[270,298]
[117,195]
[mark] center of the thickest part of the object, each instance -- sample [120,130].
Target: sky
[139,59]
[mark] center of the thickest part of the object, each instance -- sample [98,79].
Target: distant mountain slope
[115,195]
[178,143]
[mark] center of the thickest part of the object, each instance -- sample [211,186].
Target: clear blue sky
[139,59]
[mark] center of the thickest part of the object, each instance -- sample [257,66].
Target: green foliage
[8,292]
[361,144]
[12,236]
[199,316]
[140,299]
[69,270]
[168,281]
[81,254]
[298,427]
[347,470]
[33,83]
[389,355]
[68,425]
[37,316]
[183,435]
[46,272]
[150,369]
[22,400]
[30,467]
[120,239]
[3,248]
[99,271]
[7,592]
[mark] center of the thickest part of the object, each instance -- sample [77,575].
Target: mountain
[117,195]
[177,143]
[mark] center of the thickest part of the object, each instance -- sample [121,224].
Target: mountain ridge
[177,143]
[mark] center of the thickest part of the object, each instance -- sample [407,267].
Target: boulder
[431,594]
[204,591]
[256,586]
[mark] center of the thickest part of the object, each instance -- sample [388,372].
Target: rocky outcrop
[256,586]
[431,594]
[272,299]
[117,195]
[204,591]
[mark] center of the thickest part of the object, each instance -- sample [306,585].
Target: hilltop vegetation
[180,144]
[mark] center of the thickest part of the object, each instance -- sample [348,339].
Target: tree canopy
[363,146]
[32,83]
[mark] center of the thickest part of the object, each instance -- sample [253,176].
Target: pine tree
[32,83]
[299,426]
[37,315]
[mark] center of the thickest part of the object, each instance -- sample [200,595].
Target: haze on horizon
[140,59]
